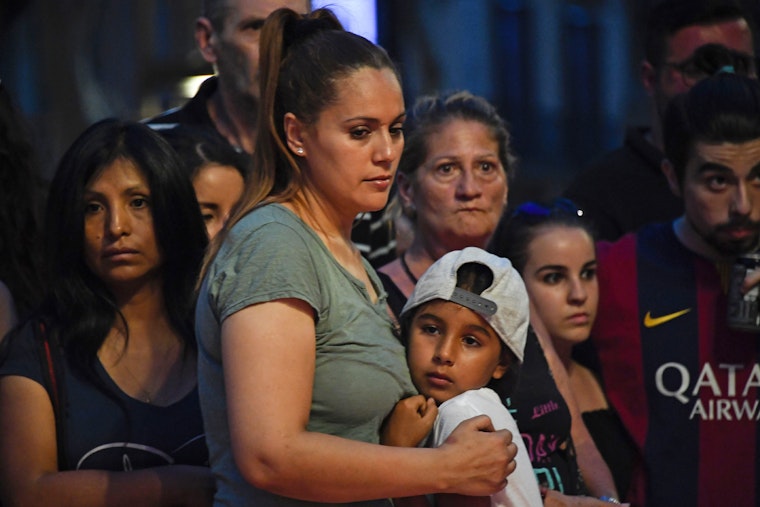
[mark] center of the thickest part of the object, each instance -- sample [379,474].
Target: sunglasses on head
[558,207]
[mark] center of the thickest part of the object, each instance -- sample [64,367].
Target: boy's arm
[407,426]
[410,422]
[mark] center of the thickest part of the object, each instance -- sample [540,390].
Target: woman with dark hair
[20,283]
[215,169]
[98,396]
[553,249]
[298,362]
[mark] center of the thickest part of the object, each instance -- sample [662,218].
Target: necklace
[406,268]
[153,394]
[144,392]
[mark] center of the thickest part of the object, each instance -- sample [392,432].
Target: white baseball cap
[504,304]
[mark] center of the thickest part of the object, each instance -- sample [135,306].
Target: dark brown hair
[669,16]
[724,108]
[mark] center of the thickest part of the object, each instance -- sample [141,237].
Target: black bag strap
[51,359]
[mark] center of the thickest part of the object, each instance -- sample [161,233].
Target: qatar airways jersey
[685,386]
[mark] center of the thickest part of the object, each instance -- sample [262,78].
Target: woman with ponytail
[298,362]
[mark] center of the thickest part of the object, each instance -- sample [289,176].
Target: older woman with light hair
[453,184]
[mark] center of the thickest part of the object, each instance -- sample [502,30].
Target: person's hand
[187,486]
[410,421]
[478,458]
[752,279]
[556,499]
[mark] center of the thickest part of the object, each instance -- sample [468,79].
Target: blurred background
[564,73]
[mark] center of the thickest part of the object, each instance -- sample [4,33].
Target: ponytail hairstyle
[303,57]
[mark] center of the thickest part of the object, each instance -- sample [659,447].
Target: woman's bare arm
[29,474]
[269,361]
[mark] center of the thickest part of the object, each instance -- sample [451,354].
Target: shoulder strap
[51,358]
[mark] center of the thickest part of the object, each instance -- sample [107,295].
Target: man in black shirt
[227,35]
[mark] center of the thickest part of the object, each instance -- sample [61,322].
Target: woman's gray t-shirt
[360,370]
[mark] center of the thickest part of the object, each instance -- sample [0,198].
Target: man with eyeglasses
[711,59]
[625,188]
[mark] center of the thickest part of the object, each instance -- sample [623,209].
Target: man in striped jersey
[686,385]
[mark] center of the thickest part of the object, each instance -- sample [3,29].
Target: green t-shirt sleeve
[269,262]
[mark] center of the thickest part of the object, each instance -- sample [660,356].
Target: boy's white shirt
[522,487]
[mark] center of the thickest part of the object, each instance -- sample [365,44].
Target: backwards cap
[504,304]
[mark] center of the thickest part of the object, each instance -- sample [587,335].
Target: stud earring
[299,150]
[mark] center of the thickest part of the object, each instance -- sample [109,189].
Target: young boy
[466,323]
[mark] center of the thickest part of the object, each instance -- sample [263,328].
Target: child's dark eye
[429,329]
[471,341]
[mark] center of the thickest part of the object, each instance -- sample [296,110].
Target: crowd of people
[195,317]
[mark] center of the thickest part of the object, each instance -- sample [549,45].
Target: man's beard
[733,247]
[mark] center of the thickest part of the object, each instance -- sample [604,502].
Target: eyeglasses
[558,208]
[709,60]
[690,71]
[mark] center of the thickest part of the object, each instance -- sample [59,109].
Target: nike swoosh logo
[650,321]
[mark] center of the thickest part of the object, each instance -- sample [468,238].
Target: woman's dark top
[396,298]
[105,429]
[614,444]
